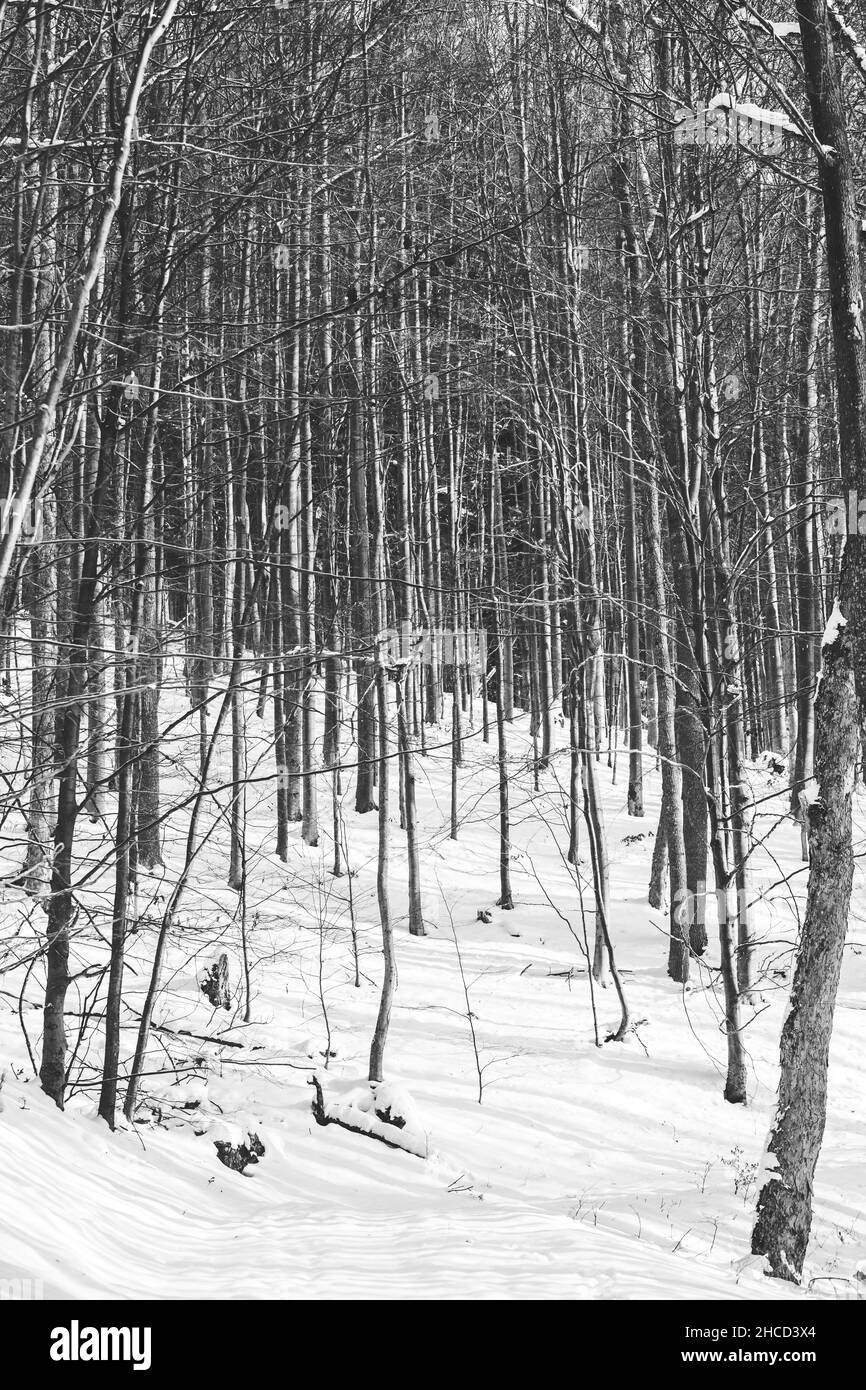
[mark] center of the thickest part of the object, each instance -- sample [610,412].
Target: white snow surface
[585,1172]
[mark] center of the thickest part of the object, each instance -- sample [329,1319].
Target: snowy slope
[586,1172]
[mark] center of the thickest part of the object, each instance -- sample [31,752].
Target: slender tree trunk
[416,919]
[807,575]
[505,898]
[389,978]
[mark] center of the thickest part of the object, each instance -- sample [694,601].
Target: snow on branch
[749,18]
[727,121]
[576,10]
[765,115]
[852,44]
[789,29]
[379,1109]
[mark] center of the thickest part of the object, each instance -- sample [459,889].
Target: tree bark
[784,1212]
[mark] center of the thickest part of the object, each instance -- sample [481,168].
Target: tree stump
[239,1156]
[214,983]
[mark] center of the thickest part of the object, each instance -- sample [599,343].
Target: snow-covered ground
[586,1172]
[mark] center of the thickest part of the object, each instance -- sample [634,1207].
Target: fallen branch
[325,1115]
[199,1037]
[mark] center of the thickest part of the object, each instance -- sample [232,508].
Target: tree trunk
[389,977]
[784,1213]
[416,919]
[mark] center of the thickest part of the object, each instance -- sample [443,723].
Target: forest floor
[584,1172]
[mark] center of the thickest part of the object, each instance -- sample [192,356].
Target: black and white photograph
[432,670]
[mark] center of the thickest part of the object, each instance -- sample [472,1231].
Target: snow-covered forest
[432,649]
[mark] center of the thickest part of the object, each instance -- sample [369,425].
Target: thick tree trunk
[784,1213]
